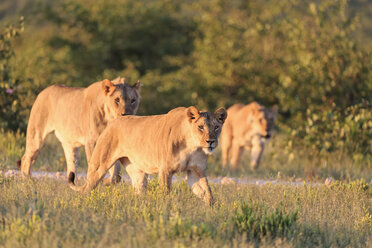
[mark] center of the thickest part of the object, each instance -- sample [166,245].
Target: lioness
[248,126]
[78,116]
[177,141]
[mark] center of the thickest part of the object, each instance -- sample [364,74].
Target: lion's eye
[117,100]
[133,101]
[201,128]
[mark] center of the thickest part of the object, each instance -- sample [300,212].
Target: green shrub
[11,147]
[296,54]
[256,221]
[334,129]
[114,35]
[16,93]
[300,55]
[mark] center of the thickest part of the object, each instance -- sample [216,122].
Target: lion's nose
[210,142]
[124,114]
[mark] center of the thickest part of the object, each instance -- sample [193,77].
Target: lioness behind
[248,126]
[177,141]
[77,116]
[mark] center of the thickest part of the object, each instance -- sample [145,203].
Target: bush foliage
[14,90]
[299,55]
[333,129]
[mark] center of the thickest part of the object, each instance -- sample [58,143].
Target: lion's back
[57,108]
[146,138]
[237,120]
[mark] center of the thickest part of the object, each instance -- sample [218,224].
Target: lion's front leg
[256,152]
[89,146]
[138,178]
[198,183]
[236,154]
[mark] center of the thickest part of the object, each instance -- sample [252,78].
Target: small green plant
[358,185]
[175,226]
[5,180]
[256,221]
[180,227]
[153,185]
[22,228]
[366,220]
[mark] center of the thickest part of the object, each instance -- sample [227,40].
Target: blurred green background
[312,58]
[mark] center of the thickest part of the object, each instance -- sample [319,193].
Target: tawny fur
[247,127]
[77,116]
[165,144]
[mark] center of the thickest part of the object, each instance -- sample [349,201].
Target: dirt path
[217,180]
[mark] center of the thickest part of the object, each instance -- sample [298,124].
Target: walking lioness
[177,141]
[248,126]
[77,116]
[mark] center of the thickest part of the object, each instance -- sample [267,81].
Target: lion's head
[120,97]
[261,120]
[206,127]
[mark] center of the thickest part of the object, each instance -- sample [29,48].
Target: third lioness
[77,116]
[248,126]
[177,141]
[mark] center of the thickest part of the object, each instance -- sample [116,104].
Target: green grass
[46,213]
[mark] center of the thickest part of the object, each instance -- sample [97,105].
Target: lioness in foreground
[248,126]
[78,116]
[177,141]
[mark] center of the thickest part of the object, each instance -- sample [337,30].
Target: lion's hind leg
[99,164]
[114,174]
[72,157]
[226,143]
[36,134]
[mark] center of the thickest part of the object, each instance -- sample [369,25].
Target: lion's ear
[137,86]
[118,80]
[108,87]
[221,115]
[193,113]
[274,110]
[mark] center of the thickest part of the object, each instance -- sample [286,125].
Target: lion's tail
[71,183]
